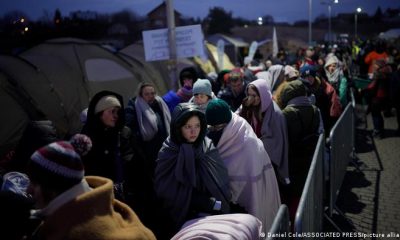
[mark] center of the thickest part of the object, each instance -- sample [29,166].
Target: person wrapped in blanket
[190,178]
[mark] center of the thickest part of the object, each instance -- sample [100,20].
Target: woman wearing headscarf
[251,174]
[335,76]
[269,124]
[190,178]
[111,148]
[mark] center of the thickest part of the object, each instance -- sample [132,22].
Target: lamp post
[358,10]
[329,19]
[309,22]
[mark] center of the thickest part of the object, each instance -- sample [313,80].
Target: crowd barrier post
[310,212]
[281,226]
[341,141]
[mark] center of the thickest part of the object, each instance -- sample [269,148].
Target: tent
[234,47]
[390,34]
[18,99]
[56,79]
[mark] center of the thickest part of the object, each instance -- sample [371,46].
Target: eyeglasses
[216,127]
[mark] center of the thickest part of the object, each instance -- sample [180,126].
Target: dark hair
[142,86]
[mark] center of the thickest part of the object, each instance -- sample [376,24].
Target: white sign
[189,43]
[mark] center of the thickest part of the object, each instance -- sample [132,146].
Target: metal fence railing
[281,226]
[310,212]
[341,141]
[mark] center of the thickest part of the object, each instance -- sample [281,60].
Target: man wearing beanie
[246,160]
[73,207]
[202,93]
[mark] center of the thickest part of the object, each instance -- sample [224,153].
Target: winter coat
[111,148]
[303,122]
[94,215]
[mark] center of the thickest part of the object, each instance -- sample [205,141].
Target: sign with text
[189,43]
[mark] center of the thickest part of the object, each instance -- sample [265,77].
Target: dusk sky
[281,10]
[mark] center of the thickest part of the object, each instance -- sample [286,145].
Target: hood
[180,115]
[292,89]
[264,91]
[93,120]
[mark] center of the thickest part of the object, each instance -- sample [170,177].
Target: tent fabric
[77,70]
[56,79]
[17,106]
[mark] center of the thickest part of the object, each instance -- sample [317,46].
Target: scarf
[333,77]
[147,118]
[185,94]
[61,199]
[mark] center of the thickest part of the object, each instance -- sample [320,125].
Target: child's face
[200,99]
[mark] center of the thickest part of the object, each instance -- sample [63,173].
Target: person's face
[188,82]
[332,67]
[236,86]
[109,117]
[191,130]
[253,99]
[200,99]
[35,191]
[148,94]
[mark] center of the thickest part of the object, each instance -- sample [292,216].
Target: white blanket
[217,227]
[252,177]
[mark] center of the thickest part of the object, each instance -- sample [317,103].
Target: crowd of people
[216,157]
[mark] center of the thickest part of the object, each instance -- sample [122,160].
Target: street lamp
[329,19]
[358,10]
[309,22]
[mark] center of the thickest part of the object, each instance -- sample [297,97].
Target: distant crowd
[215,158]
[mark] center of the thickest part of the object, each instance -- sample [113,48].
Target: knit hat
[202,86]
[56,165]
[218,112]
[106,102]
[308,70]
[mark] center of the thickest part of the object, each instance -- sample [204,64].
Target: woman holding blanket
[252,177]
[190,178]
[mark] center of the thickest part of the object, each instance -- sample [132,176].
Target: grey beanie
[202,86]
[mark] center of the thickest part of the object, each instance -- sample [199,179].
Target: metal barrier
[281,225]
[310,212]
[341,140]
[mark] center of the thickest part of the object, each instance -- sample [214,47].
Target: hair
[142,85]
[247,111]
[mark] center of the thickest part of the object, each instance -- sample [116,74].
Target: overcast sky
[281,10]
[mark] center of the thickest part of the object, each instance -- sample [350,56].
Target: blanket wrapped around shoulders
[252,177]
[182,168]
